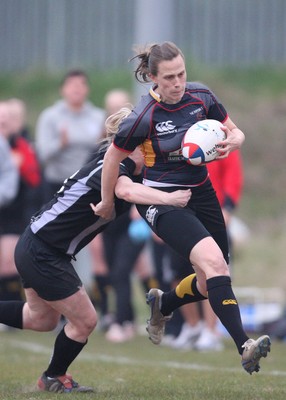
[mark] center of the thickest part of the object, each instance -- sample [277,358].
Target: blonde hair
[112,124]
[113,121]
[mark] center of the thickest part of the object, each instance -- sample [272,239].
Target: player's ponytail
[150,57]
[142,71]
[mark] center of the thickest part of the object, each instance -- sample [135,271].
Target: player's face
[171,80]
[75,90]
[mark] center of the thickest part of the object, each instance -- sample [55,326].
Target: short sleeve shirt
[67,222]
[159,128]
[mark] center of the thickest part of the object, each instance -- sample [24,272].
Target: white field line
[37,348]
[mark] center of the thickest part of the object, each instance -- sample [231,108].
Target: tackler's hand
[103,210]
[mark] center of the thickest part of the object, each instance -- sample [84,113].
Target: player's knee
[89,323]
[217,265]
[92,322]
[213,264]
[45,323]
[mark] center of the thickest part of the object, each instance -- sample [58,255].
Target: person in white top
[67,131]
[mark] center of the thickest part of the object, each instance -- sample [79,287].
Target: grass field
[140,370]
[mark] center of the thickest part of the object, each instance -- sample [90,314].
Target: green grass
[140,370]
[260,261]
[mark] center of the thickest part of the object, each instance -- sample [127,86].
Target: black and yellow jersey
[159,129]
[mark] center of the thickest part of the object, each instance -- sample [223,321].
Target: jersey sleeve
[214,108]
[127,168]
[91,173]
[134,129]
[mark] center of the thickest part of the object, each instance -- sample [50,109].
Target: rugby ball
[200,142]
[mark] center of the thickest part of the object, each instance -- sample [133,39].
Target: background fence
[58,34]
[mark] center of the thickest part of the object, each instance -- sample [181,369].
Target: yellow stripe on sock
[185,286]
[228,302]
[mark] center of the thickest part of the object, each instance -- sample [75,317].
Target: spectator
[19,127]
[115,99]
[9,177]
[13,216]
[67,131]
[18,113]
[227,179]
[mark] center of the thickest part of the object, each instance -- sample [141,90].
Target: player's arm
[110,172]
[137,193]
[234,139]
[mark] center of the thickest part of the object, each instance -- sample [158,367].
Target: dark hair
[151,56]
[74,73]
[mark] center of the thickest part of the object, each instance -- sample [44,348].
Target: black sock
[224,304]
[102,287]
[185,292]
[11,313]
[65,351]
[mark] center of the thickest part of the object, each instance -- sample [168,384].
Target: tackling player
[44,252]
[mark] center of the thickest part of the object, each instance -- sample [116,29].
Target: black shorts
[183,228]
[43,268]
[180,267]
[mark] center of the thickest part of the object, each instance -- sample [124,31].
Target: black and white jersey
[159,128]
[67,222]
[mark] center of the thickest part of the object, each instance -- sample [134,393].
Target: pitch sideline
[37,348]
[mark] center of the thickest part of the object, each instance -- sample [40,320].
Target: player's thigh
[181,230]
[77,308]
[38,314]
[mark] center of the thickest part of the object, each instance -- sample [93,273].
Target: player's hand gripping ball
[200,143]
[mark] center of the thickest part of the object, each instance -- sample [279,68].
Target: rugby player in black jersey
[197,232]
[55,235]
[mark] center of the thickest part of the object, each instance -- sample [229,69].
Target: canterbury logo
[151,214]
[228,302]
[165,127]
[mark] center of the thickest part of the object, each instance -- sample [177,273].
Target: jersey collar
[155,95]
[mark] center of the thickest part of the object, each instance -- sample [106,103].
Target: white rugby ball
[200,142]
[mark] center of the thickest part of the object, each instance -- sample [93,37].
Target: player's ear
[153,78]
